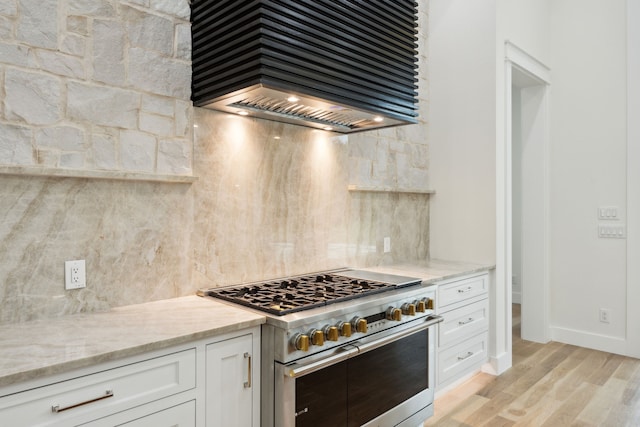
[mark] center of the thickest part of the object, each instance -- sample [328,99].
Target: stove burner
[246,291]
[299,293]
[324,278]
[289,284]
[360,284]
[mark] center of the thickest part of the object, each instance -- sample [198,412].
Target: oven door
[386,379]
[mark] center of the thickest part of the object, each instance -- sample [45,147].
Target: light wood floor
[551,385]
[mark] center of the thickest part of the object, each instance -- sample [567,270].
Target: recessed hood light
[317,64]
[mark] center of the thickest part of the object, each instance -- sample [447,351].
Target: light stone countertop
[433,270]
[44,347]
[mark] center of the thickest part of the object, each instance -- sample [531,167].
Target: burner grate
[284,296]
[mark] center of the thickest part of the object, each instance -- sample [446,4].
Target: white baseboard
[589,340]
[498,364]
[516,297]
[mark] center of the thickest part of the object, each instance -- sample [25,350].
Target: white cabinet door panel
[230,382]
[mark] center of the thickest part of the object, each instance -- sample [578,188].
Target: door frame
[519,60]
[633,178]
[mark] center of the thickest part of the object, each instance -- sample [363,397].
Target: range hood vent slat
[346,61]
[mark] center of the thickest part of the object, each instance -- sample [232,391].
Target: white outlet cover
[75,276]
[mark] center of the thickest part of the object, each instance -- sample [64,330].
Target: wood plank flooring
[549,385]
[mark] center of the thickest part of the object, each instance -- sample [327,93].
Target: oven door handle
[297,371]
[431,321]
[353,349]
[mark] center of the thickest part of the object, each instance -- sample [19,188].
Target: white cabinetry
[188,385]
[181,415]
[232,388]
[462,335]
[80,397]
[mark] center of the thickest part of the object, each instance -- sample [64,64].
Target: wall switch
[612,231]
[75,276]
[604,315]
[608,213]
[387,245]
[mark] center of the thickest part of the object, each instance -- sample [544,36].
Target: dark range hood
[337,65]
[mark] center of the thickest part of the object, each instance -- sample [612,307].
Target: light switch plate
[75,276]
[612,231]
[608,213]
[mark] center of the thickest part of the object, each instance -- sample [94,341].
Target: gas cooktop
[284,296]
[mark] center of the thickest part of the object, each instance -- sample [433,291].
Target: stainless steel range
[343,348]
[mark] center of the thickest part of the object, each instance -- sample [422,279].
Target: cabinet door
[229,383]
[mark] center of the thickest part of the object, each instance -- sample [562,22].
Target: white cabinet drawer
[182,415]
[93,396]
[459,359]
[459,291]
[463,322]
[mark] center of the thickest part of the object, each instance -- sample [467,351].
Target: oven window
[383,378]
[360,389]
[321,397]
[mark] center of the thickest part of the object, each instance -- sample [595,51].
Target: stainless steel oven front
[382,379]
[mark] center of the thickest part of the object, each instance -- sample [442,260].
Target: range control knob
[408,309]
[421,306]
[300,342]
[331,333]
[345,328]
[394,314]
[359,324]
[317,337]
[428,302]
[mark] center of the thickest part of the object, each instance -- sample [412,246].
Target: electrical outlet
[604,315]
[75,276]
[387,245]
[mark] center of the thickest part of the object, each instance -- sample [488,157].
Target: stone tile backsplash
[96,85]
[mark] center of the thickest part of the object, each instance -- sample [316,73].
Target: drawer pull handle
[466,356]
[247,383]
[57,409]
[464,322]
[463,291]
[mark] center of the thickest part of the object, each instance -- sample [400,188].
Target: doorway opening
[529,205]
[526,195]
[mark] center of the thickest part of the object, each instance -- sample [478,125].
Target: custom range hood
[338,65]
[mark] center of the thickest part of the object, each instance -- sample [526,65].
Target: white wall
[462,129]
[588,169]
[584,44]
[467,135]
[633,179]
[524,23]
